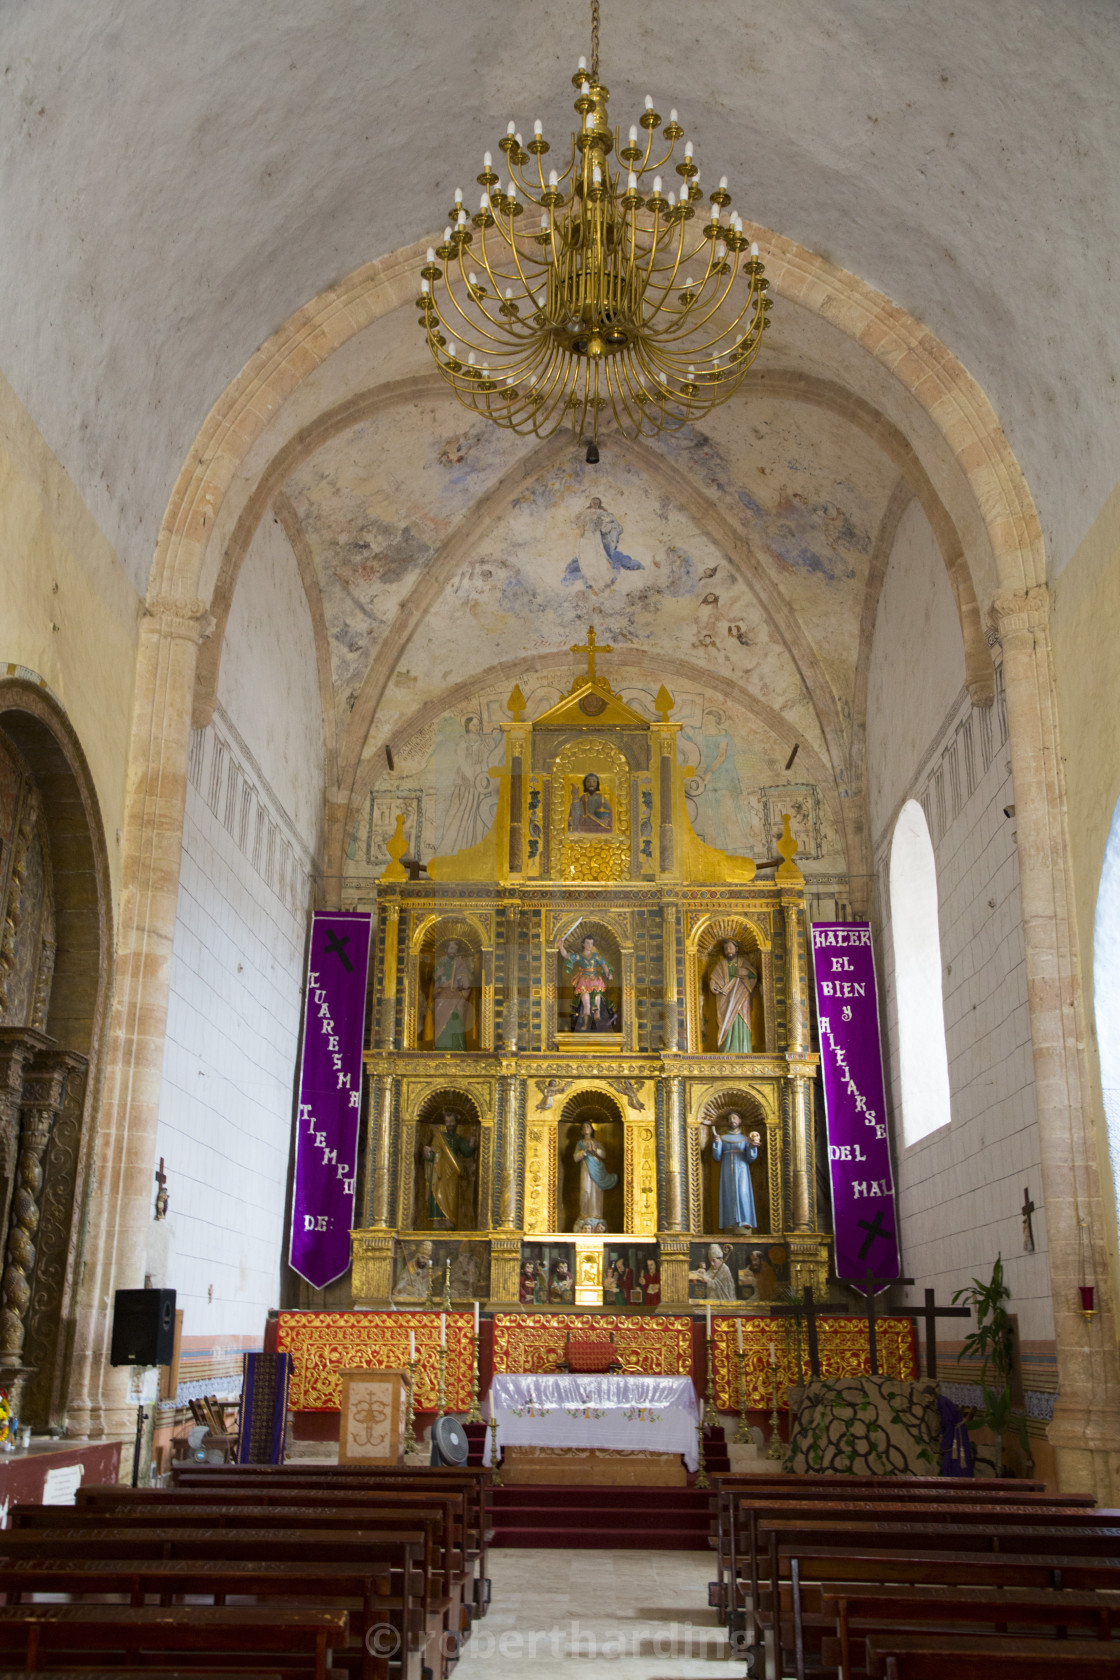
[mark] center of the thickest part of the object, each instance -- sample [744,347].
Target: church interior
[559,825]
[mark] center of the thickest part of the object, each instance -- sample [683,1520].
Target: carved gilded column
[509,1186]
[795,1015]
[44,1092]
[17,1047]
[802,1176]
[388,999]
[379,1147]
[510,994]
[670,1027]
[674,1215]
[151,854]
[1086,1425]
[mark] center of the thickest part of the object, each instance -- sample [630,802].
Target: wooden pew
[34,1631]
[729,1488]
[359,1553]
[938,1657]
[860,1611]
[473,1483]
[366,1594]
[971,1532]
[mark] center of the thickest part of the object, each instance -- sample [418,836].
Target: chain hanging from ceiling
[588,297]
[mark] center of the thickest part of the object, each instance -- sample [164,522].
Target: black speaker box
[143,1327]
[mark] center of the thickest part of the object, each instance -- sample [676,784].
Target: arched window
[1106,989]
[923,1062]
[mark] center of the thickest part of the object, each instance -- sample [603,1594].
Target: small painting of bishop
[735,1151]
[732,984]
[590,974]
[451,999]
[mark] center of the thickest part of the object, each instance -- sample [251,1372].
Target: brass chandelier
[585,296]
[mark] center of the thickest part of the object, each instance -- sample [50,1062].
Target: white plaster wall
[960,1189]
[237,963]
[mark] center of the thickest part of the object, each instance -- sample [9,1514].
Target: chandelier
[595,294]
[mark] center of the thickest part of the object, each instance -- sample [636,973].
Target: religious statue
[590,1156]
[715,1277]
[732,983]
[444,1156]
[650,1282]
[590,811]
[414,1281]
[591,974]
[735,1151]
[562,1288]
[451,999]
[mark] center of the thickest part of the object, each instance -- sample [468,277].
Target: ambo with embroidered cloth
[323,1344]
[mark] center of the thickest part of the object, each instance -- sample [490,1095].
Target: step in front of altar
[592,1467]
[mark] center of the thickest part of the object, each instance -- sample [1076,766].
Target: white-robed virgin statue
[594,1179]
[735,1150]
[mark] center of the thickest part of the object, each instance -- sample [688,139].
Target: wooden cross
[1028,1229]
[591,650]
[870,1282]
[161,1193]
[811,1312]
[931,1314]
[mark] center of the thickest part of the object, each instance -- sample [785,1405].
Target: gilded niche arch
[474,954]
[703,951]
[759,1114]
[614,940]
[590,830]
[604,1113]
[444,1170]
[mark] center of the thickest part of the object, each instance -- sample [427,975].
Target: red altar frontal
[323,1344]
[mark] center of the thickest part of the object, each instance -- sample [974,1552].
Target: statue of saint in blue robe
[735,1152]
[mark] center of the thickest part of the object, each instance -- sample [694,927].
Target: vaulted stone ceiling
[177,179]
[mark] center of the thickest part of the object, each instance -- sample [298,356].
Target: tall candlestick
[742,1433]
[773,1354]
[410,1415]
[775,1449]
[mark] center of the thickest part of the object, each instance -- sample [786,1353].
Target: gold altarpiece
[622,863]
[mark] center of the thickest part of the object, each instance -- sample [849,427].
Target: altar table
[613,1414]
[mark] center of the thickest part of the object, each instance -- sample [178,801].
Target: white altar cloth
[613,1413]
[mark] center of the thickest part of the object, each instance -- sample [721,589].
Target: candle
[412,1346]
[739,1328]
[476,1321]
[708,1313]
[773,1354]
[443,1329]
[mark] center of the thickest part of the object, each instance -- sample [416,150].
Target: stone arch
[73,1022]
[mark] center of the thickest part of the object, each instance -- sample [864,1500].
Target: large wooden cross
[591,650]
[871,1283]
[811,1312]
[931,1313]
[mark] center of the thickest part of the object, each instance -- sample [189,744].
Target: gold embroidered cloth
[324,1343]
[842,1342]
[528,1342]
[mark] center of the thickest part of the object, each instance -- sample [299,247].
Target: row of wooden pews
[292,1571]
[904,1577]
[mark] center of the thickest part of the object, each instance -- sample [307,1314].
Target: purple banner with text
[859,1159]
[330,1095]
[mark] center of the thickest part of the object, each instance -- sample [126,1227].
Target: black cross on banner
[336,946]
[874,1228]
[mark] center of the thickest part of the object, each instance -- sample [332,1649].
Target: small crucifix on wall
[1028,1227]
[161,1193]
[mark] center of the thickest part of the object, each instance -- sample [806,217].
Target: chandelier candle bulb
[672,116]
[538,127]
[633,134]
[723,183]
[431,253]
[687,149]
[512,128]
[754,250]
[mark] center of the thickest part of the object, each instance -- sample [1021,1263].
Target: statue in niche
[445,1156]
[590,810]
[452,998]
[591,974]
[594,1178]
[732,983]
[735,1150]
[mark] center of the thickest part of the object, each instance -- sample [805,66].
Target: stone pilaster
[151,852]
[1086,1426]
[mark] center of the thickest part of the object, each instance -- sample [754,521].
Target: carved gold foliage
[641,1178]
[654,1346]
[540,1178]
[324,1344]
[843,1345]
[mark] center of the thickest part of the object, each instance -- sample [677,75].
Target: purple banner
[330,1095]
[859,1160]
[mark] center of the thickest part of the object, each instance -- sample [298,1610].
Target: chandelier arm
[469,321]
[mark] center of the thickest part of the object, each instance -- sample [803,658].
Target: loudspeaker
[143,1327]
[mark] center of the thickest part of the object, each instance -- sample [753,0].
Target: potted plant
[993,1343]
